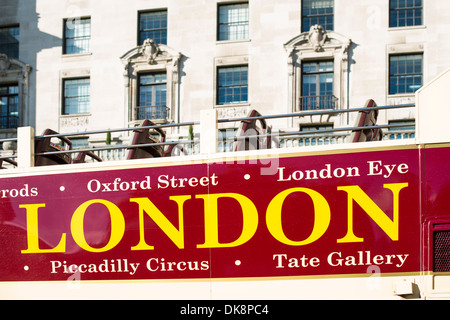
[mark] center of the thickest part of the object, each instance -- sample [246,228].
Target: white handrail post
[25,147]
[208,131]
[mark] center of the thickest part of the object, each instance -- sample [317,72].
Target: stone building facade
[80,65]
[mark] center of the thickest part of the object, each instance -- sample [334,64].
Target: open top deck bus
[366,219]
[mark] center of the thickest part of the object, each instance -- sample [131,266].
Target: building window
[9,41]
[77,96]
[314,127]
[77,36]
[79,143]
[152,96]
[405,13]
[153,25]
[233,22]
[226,140]
[316,137]
[317,86]
[317,12]
[405,73]
[405,131]
[9,106]
[232,85]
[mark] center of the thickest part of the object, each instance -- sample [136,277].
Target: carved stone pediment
[317,37]
[4,62]
[150,53]
[318,40]
[150,50]
[10,67]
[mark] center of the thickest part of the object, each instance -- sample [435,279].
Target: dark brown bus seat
[81,157]
[46,145]
[10,161]
[365,119]
[144,136]
[253,128]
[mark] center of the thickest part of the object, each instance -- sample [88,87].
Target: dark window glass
[405,73]
[404,13]
[317,12]
[9,106]
[153,25]
[233,22]
[152,99]
[232,85]
[9,41]
[77,35]
[77,96]
[317,86]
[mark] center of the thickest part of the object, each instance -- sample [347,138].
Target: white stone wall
[192,26]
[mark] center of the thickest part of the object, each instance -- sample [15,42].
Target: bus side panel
[436,215]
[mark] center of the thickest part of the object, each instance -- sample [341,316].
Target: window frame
[398,76]
[64,111]
[398,10]
[159,108]
[9,112]
[9,44]
[233,86]
[140,40]
[239,24]
[87,38]
[311,17]
[398,133]
[317,100]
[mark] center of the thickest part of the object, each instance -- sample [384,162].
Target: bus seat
[10,161]
[252,127]
[82,155]
[144,136]
[46,145]
[367,118]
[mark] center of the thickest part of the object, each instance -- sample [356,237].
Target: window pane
[9,41]
[233,22]
[405,73]
[317,12]
[317,86]
[9,106]
[152,96]
[76,96]
[232,85]
[77,36]
[404,13]
[153,25]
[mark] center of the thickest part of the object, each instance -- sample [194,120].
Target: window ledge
[73,115]
[76,55]
[407,28]
[401,95]
[232,41]
[232,105]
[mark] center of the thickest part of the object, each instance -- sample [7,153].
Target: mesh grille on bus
[441,251]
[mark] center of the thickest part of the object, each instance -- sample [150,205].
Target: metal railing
[152,112]
[191,144]
[323,102]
